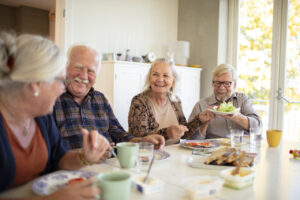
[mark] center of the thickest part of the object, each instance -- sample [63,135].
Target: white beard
[222,99]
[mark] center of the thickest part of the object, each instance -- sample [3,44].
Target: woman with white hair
[158,110]
[32,75]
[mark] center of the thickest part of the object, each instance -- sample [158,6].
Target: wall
[7,17]
[117,25]
[32,20]
[199,22]
[24,19]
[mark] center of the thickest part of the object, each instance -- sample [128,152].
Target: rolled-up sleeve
[247,109]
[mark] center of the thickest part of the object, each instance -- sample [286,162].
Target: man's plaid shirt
[94,113]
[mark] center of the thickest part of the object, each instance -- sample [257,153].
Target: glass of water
[145,155]
[236,138]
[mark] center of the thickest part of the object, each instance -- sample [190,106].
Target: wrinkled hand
[108,153]
[94,146]
[76,191]
[176,131]
[206,116]
[157,140]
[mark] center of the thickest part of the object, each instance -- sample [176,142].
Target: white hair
[173,91]
[28,58]
[225,68]
[88,46]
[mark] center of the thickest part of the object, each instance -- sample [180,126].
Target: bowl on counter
[137,59]
[203,187]
[244,179]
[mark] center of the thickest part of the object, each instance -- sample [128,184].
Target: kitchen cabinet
[120,81]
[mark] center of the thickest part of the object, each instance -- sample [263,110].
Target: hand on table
[157,140]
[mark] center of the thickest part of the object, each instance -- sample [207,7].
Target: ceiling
[41,4]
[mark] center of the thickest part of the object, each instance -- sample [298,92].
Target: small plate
[199,144]
[195,161]
[52,182]
[161,155]
[223,141]
[224,113]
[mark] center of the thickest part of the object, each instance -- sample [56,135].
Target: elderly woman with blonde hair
[32,72]
[157,110]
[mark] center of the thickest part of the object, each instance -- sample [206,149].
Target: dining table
[277,175]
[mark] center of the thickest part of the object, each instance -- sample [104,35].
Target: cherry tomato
[75,180]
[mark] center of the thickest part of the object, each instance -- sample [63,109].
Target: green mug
[114,185]
[127,154]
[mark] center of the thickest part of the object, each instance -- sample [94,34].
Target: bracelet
[83,160]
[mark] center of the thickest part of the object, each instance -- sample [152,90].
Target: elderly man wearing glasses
[224,85]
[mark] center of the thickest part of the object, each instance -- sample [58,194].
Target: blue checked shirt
[94,113]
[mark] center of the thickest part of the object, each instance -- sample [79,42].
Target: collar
[212,101]
[90,93]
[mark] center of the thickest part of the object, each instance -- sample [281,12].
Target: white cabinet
[189,88]
[120,81]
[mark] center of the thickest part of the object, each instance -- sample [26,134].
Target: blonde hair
[173,91]
[225,68]
[28,58]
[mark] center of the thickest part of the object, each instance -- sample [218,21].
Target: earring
[36,93]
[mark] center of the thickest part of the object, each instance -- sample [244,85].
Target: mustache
[81,80]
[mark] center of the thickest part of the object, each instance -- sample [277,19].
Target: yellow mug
[274,137]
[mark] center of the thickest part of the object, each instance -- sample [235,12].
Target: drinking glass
[236,138]
[253,133]
[145,155]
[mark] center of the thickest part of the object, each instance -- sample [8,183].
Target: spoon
[113,152]
[148,171]
[237,169]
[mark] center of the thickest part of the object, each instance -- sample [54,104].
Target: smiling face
[224,86]
[161,78]
[82,71]
[48,93]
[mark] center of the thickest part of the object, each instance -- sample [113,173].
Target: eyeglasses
[219,83]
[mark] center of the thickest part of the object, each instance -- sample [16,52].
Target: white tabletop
[277,175]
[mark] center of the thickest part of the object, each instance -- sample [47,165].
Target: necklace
[27,128]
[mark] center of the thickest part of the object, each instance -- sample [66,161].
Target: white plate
[52,182]
[161,155]
[212,145]
[198,162]
[236,110]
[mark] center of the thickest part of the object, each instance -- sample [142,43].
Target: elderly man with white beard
[224,85]
[81,106]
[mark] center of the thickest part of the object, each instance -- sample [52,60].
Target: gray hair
[87,46]
[225,68]
[173,91]
[28,58]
